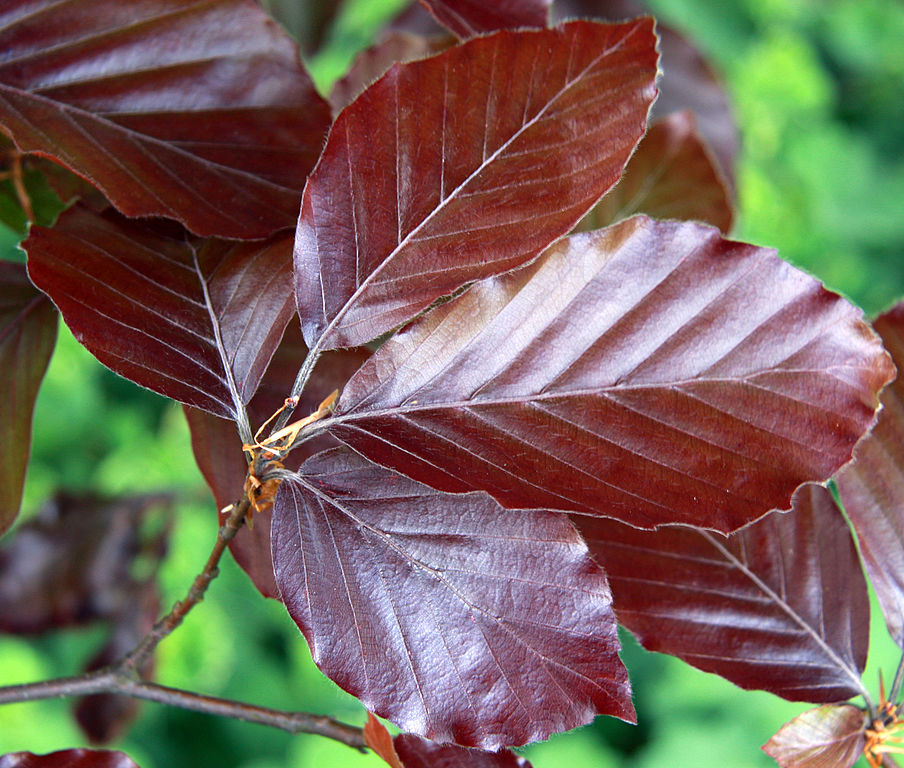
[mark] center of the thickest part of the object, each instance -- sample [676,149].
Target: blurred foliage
[818,86]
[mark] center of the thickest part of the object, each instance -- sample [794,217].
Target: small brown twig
[123,677]
[17,176]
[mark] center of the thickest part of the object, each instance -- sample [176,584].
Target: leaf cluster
[471,345]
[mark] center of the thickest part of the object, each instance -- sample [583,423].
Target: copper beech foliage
[539,435]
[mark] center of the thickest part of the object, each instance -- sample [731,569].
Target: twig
[123,677]
[116,681]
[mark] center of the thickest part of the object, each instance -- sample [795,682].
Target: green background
[818,89]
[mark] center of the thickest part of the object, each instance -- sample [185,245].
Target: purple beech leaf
[195,111]
[467,18]
[464,165]
[872,486]
[71,565]
[193,320]
[454,619]
[653,372]
[372,63]
[687,80]
[670,176]
[218,448]
[68,758]
[420,753]
[28,327]
[781,605]
[831,736]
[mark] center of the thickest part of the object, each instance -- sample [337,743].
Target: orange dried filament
[883,737]
[261,493]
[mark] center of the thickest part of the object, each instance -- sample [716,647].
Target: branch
[123,677]
[115,681]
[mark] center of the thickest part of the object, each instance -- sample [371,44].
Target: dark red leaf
[71,565]
[218,448]
[195,110]
[69,758]
[379,740]
[429,180]
[420,753]
[781,605]
[826,737]
[474,17]
[653,372]
[28,327]
[103,717]
[372,63]
[443,613]
[670,176]
[194,320]
[872,487]
[687,80]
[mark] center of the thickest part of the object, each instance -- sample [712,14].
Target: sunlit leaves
[826,737]
[457,620]
[194,320]
[464,165]
[28,327]
[780,606]
[653,372]
[872,487]
[196,111]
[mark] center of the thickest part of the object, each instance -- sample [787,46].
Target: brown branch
[134,660]
[115,681]
[123,677]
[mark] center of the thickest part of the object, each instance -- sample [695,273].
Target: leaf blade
[463,625]
[466,17]
[28,328]
[830,736]
[416,195]
[196,321]
[781,605]
[199,111]
[653,372]
[872,489]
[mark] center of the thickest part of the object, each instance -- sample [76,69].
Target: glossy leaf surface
[462,166]
[28,328]
[456,620]
[826,737]
[687,82]
[653,372]
[474,17]
[780,606]
[194,320]
[671,176]
[68,758]
[420,753]
[218,448]
[872,486]
[195,111]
